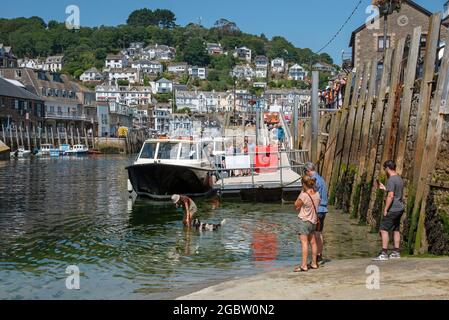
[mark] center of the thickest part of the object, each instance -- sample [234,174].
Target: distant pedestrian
[281,136]
[322,210]
[306,206]
[189,207]
[394,210]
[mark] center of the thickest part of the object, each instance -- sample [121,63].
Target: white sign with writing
[238,162]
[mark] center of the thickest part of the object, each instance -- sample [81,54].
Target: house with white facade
[297,72]
[160,117]
[243,53]
[278,65]
[198,72]
[135,49]
[164,86]
[148,66]
[54,63]
[35,64]
[129,95]
[214,49]
[181,125]
[116,61]
[129,74]
[178,68]
[93,74]
[159,52]
[324,67]
[243,72]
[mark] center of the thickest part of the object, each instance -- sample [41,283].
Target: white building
[243,53]
[129,95]
[159,52]
[278,65]
[243,72]
[181,125]
[178,68]
[148,66]
[93,74]
[54,63]
[214,49]
[324,67]
[135,49]
[35,64]
[116,61]
[198,72]
[160,119]
[297,72]
[164,86]
[203,102]
[129,74]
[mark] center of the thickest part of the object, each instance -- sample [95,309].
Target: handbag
[318,224]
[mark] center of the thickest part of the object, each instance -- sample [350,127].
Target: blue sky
[306,23]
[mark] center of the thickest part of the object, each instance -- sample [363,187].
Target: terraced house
[19,108]
[64,111]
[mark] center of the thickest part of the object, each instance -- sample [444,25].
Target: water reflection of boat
[171,166]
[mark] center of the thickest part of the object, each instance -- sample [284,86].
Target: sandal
[310,267]
[300,269]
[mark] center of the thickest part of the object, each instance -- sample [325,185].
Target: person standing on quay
[322,210]
[394,209]
[306,205]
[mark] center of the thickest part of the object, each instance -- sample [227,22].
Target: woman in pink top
[306,205]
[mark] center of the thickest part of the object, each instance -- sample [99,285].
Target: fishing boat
[171,166]
[21,153]
[48,150]
[77,150]
[63,148]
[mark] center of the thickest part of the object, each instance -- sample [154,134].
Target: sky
[305,23]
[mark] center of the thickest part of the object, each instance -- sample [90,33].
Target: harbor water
[56,213]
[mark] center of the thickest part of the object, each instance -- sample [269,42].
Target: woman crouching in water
[306,206]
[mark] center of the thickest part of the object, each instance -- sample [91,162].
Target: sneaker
[383,256]
[395,255]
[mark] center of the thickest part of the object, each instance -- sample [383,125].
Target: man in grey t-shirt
[394,209]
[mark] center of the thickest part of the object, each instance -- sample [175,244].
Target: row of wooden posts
[374,126]
[30,139]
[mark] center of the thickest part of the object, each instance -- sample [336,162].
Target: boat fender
[130,186]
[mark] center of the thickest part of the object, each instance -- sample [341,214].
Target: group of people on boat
[312,208]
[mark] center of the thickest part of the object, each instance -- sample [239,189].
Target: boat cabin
[171,151]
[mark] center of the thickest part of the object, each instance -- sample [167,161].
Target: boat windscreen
[188,151]
[168,151]
[148,151]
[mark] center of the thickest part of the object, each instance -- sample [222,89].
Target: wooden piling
[395,91]
[341,137]
[28,138]
[407,96]
[376,130]
[432,143]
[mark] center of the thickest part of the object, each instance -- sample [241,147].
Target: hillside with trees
[88,47]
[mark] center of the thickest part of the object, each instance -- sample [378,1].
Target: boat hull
[160,181]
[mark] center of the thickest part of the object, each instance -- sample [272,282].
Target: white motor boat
[77,150]
[171,166]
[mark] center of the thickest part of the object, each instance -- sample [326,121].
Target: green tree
[142,17]
[195,53]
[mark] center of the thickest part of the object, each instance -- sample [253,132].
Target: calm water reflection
[60,212]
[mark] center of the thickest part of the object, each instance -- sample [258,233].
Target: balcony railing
[65,116]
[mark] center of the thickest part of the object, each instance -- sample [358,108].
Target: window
[168,151]
[380,43]
[148,151]
[188,151]
[2,102]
